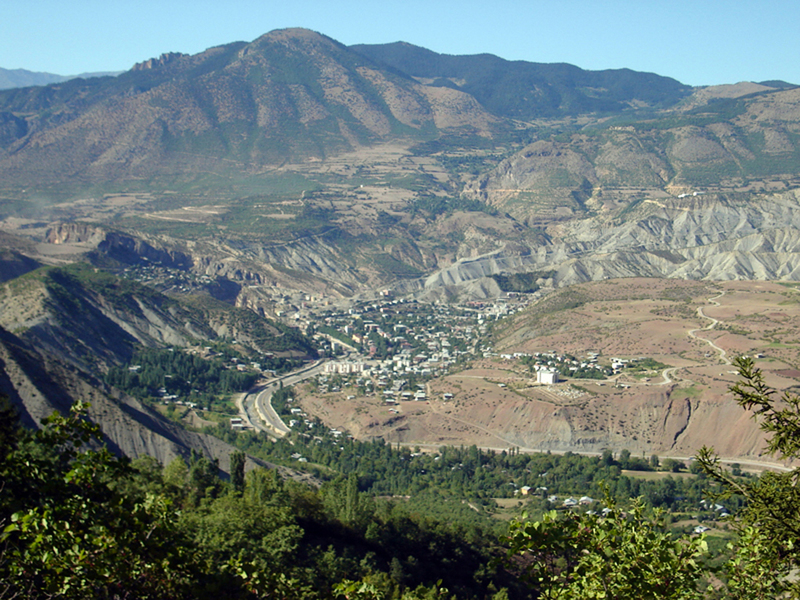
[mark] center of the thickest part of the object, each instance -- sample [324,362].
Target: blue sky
[699,42]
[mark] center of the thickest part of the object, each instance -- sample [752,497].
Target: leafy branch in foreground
[619,555]
[768,548]
[67,532]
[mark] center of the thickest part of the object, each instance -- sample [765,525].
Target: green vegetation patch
[521,282]
[391,265]
[154,374]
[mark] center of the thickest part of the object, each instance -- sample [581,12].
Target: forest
[383,522]
[153,374]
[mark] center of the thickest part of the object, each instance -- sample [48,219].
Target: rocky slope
[93,320]
[61,328]
[231,109]
[712,238]
[338,170]
[39,384]
[728,144]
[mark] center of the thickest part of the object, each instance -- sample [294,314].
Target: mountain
[16,78]
[214,196]
[524,90]
[239,108]
[63,328]
[294,161]
[39,384]
[289,95]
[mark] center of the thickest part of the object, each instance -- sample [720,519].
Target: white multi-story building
[547,376]
[344,367]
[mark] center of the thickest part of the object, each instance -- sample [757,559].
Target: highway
[256,407]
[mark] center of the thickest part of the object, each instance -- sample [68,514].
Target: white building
[547,376]
[344,367]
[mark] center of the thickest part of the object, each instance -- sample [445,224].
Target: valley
[264,193]
[338,313]
[687,330]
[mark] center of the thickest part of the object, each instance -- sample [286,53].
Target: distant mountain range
[16,78]
[289,95]
[295,168]
[374,160]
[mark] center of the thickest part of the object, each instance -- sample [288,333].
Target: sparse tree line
[476,474]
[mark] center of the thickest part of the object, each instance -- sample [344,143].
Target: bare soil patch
[497,404]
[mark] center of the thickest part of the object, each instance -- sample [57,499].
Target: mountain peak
[162,60]
[292,34]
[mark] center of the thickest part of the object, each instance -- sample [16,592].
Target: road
[722,353]
[256,409]
[692,333]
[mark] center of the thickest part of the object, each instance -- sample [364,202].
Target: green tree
[176,475]
[768,548]
[203,477]
[68,531]
[620,555]
[9,432]
[624,458]
[237,471]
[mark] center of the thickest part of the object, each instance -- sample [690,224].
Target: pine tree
[237,471]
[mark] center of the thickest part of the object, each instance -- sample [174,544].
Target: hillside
[296,162]
[16,78]
[62,328]
[237,110]
[524,90]
[673,343]
[39,383]
[224,195]
[736,145]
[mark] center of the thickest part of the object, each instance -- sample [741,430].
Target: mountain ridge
[291,174]
[289,92]
[15,78]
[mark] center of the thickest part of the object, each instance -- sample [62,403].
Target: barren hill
[684,332]
[61,329]
[278,177]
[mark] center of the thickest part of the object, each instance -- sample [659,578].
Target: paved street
[257,408]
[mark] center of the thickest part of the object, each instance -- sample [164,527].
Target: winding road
[692,333]
[256,409]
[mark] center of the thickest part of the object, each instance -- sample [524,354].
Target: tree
[768,548]
[176,475]
[9,433]
[68,531]
[620,555]
[203,476]
[237,471]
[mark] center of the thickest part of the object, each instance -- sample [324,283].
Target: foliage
[336,334]
[69,533]
[434,206]
[178,373]
[443,479]
[768,548]
[503,87]
[521,282]
[619,555]
[79,522]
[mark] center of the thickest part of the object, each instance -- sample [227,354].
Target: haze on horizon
[705,43]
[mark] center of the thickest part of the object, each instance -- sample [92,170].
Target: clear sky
[698,42]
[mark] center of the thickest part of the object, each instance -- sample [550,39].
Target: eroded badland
[269,204]
[692,329]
